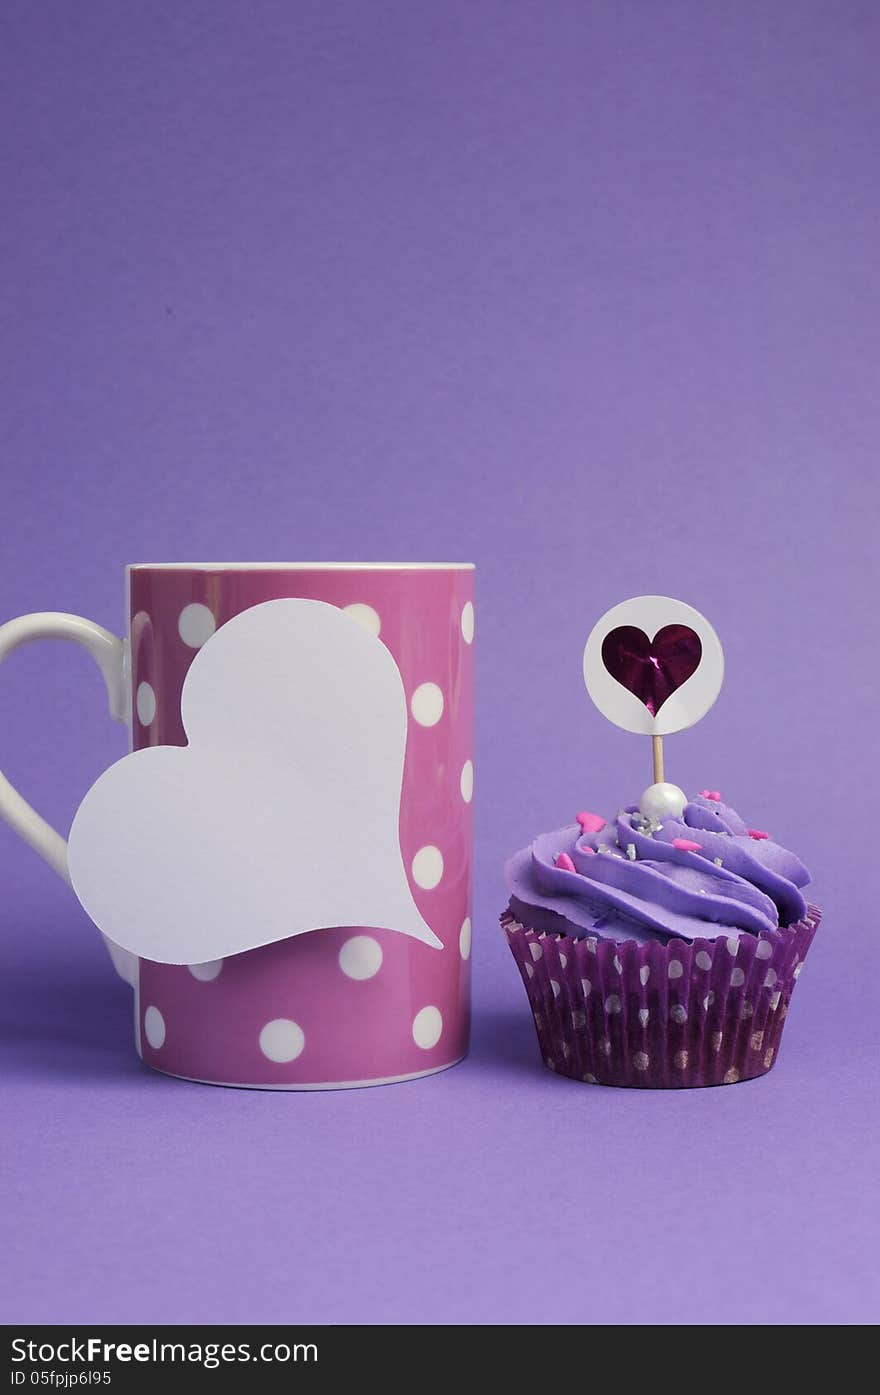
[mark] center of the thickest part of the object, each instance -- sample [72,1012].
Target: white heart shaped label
[281,815]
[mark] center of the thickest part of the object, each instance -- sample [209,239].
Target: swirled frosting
[633,879]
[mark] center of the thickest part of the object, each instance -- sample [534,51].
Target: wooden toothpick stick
[657,744]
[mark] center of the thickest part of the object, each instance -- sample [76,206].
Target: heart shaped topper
[655,668]
[657,685]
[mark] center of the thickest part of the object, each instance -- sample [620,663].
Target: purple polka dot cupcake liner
[660,1016]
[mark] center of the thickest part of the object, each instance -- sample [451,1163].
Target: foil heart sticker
[652,669]
[653,665]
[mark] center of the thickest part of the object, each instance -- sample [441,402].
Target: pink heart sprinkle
[715,794]
[705,794]
[564,861]
[585,848]
[686,845]
[757,833]
[590,823]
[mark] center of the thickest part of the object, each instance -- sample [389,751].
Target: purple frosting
[635,885]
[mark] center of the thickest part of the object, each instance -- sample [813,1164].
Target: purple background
[586,293]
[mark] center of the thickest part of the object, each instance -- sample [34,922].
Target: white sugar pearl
[663,802]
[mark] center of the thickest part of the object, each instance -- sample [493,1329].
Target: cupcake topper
[654,665]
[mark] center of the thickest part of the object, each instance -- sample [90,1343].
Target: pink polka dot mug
[351,1005]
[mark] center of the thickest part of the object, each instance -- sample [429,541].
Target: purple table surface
[586,293]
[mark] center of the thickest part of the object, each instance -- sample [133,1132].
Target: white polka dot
[675,969]
[563,960]
[467,781]
[196,624]
[641,1061]
[426,704]
[644,1014]
[709,1000]
[770,978]
[586,987]
[154,1027]
[146,704]
[678,1013]
[764,950]
[797,970]
[426,1027]
[360,957]
[530,971]
[737,978]
[205,972]
[774,1000]
[732,945]
[365,615]
[703,960]
[680,1060]
[556,988]
[535,950]
[612,1004]
[467,622]
[427,867]
[464,938]
[644,974]
[282,1040]
[617,964]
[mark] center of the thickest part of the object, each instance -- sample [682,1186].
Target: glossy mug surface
[333,1008]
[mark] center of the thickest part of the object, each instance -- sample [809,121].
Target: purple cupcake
[659,952]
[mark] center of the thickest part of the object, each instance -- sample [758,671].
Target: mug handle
[109,653]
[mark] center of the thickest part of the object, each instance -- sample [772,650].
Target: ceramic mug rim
[300,566]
